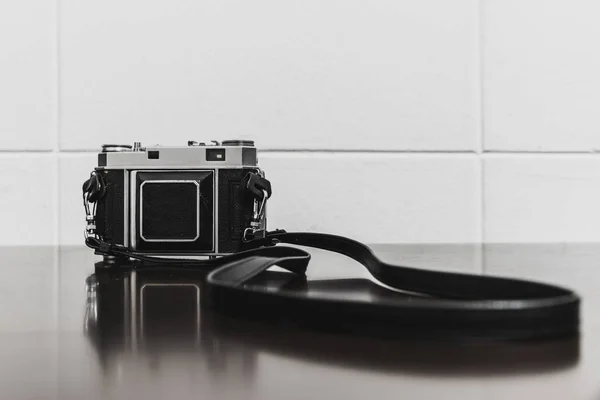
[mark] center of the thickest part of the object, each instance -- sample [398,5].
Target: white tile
[541,198]
[74,169]
[28,74]
[304,74]
[381,198]
[27,199]
[542,87]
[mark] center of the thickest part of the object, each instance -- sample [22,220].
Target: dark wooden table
[151,339]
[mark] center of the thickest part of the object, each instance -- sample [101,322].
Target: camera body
[188,200]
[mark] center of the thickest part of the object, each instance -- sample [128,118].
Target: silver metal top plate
[182,157]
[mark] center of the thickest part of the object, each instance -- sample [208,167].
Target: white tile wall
[302,74]
[28,198]
[73,169]
[380,120]
[28,74]
[542,86]
[548,198]
[382,198]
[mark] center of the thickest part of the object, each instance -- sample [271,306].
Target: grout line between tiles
[481,74]
[485,153]
[56,152]
[25,151]
[483,215]
[58,78]
[481,210]
[481,171]
[323,151]
[593,152]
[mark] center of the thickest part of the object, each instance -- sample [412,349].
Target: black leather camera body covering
[200,206]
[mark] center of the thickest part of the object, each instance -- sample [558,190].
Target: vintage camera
[200,199]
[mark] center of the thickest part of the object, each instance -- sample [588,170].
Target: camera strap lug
[255,229]
[93,189]
[260,189]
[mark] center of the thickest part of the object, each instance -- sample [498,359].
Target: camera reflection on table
[145,318]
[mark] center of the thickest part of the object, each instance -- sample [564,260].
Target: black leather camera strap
[444,304]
